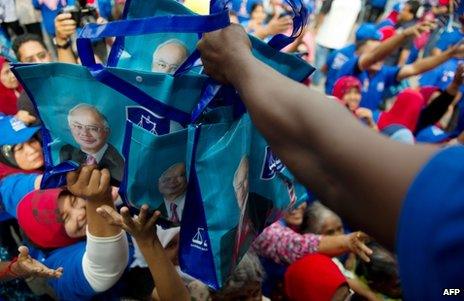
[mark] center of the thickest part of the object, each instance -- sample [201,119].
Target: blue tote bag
[155,170]
[236,188]
[84,119]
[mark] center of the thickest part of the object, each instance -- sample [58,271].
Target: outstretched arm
[168,283]
[424,65]
[357,172]
[389,46]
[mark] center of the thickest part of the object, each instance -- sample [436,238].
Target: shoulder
[430,232]
[72,285]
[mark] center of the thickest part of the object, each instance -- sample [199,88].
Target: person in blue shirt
[376,78]
[408,196]
[338,58]
[58,221]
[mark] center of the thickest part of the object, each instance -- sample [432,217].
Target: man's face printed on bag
[173,182]
[89,128]
[241,183]
[168,57]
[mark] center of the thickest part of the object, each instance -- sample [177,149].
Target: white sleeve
[105,260]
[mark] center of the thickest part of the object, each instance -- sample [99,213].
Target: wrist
[61,43]
[239,68]
[453,88]
[148,243]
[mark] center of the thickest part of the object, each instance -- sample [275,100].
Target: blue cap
[368,31]
[14,131]
[432,134]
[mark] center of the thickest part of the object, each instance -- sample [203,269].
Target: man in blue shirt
[92,266]
[338,58]
[411,194]
[377,78]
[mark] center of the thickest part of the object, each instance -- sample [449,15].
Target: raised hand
[141,227]
[356,243]
[90,183]
[26,266]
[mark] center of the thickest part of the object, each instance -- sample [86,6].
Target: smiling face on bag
[89,128]
[173,182]
[168,57]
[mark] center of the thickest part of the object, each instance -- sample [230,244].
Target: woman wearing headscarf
[9,89]
[347,91]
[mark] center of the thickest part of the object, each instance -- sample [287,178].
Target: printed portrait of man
[172,185]
[168,56]
[90,130]
[254,209]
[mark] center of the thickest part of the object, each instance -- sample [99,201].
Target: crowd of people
[374,133]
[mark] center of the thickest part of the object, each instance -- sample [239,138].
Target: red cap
[443,2]
[40,219]
[315,277]
[343,84]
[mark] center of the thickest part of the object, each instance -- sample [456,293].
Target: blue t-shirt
[13,188]
[430,241]
[448,39]
[335,62]
[72,285]
[373,86]
[48,15]
[441,77]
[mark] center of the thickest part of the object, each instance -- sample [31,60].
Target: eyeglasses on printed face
[87,128]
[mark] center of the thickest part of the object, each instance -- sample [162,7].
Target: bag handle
[278,42]
[133,27]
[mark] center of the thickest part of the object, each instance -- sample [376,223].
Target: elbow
[103,267]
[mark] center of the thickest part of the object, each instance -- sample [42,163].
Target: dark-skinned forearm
[168,283]
[351,168]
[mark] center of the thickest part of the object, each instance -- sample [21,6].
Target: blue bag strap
[300,19]
[278,42]
[133,27]
[104,76]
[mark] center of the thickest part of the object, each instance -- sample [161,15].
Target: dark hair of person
[414,6]
[24,38]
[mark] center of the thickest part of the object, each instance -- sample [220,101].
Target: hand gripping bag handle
[278,42]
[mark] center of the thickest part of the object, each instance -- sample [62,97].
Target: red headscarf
[315,277]
[405,110]
[39,217]
[343,84]
[8,98]
[387,32]
[6,170]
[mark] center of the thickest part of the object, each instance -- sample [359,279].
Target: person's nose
[29,149]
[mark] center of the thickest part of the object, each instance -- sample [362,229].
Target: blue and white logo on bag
[148,120]
[271,165]
[199,240]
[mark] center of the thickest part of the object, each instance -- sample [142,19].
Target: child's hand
[141,227]
[90,183]
[26,266]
